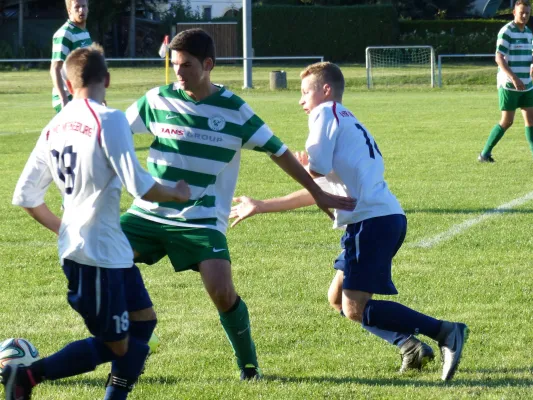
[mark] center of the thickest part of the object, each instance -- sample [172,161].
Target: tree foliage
[407,9]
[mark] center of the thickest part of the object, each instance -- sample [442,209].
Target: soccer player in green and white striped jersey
[199,130]
[515,68]
[69,37]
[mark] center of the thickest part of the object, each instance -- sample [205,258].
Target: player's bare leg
[527,113]
[216,276]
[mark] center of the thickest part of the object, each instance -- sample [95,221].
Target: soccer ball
[17,351]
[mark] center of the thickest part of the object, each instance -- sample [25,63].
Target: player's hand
[326,202]
[518,84]
[302,158]
[182,191]
[246,207]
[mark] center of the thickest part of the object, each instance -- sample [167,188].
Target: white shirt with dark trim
[87,150]
[342,149]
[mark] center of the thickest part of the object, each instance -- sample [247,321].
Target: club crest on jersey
[216,123]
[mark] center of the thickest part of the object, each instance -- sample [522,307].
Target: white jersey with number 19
[87,150]
[341,149]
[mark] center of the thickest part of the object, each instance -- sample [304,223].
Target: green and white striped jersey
[67,38]
[516,46]
[199,142]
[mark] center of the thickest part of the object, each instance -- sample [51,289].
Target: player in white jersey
[87,151]
[199,130]
[344,158]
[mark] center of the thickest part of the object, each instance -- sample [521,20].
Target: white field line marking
[457,229]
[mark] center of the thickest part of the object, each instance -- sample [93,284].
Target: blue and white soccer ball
[17,351]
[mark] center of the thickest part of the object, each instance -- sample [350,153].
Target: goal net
[400,65]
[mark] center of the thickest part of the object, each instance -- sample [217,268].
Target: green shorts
[510,100]
[58,107]
[184,246]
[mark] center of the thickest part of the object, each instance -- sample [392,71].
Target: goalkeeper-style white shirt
[87,150]
[342,149]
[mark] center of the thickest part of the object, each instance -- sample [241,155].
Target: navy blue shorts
[368,248]
[105,296]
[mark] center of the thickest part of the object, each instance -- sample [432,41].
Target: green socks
[495,135]
[529,137]
[236,323]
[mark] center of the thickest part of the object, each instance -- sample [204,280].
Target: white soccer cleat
[451,349]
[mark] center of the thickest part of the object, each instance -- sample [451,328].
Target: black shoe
[488,158]
[16,382]
[415,354]
[251,373]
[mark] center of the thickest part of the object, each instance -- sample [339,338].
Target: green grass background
[282,262]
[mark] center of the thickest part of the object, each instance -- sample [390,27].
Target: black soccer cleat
[251,373]
[415,354]
[17,383]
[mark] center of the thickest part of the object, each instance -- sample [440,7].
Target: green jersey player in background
[199,130]
[515,89]
[69,37]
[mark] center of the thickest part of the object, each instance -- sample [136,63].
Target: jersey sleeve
[258,136]
[320,144]
[503,42]
[139,115]
[117,143]
[61,45]
[36,176]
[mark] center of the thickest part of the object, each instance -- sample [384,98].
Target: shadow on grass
[467,211]
[461,380]
[142,148]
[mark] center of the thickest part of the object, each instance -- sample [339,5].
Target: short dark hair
[86,65]
[326,72]
[196,42]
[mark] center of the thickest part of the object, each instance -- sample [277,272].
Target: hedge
[458,27]
[337,33]
[452,36]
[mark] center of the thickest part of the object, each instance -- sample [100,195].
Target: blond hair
[326,72]
[68,4]
[86,65]
[522,3]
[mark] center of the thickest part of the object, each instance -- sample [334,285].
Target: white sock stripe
[459,228]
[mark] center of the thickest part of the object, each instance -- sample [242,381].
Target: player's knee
[120,348]
[506,124]
[353,314]
[335,301]
[223,297]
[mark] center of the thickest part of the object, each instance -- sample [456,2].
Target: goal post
[400,65]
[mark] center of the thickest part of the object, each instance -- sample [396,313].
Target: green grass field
[430,139]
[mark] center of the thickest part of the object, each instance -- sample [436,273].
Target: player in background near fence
[345,159]
[199,131]
[515,68]
[69,37]
[87,150]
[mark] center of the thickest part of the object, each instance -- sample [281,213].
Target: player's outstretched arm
[248,207]
[45,217]
[325,201]
[159,193]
